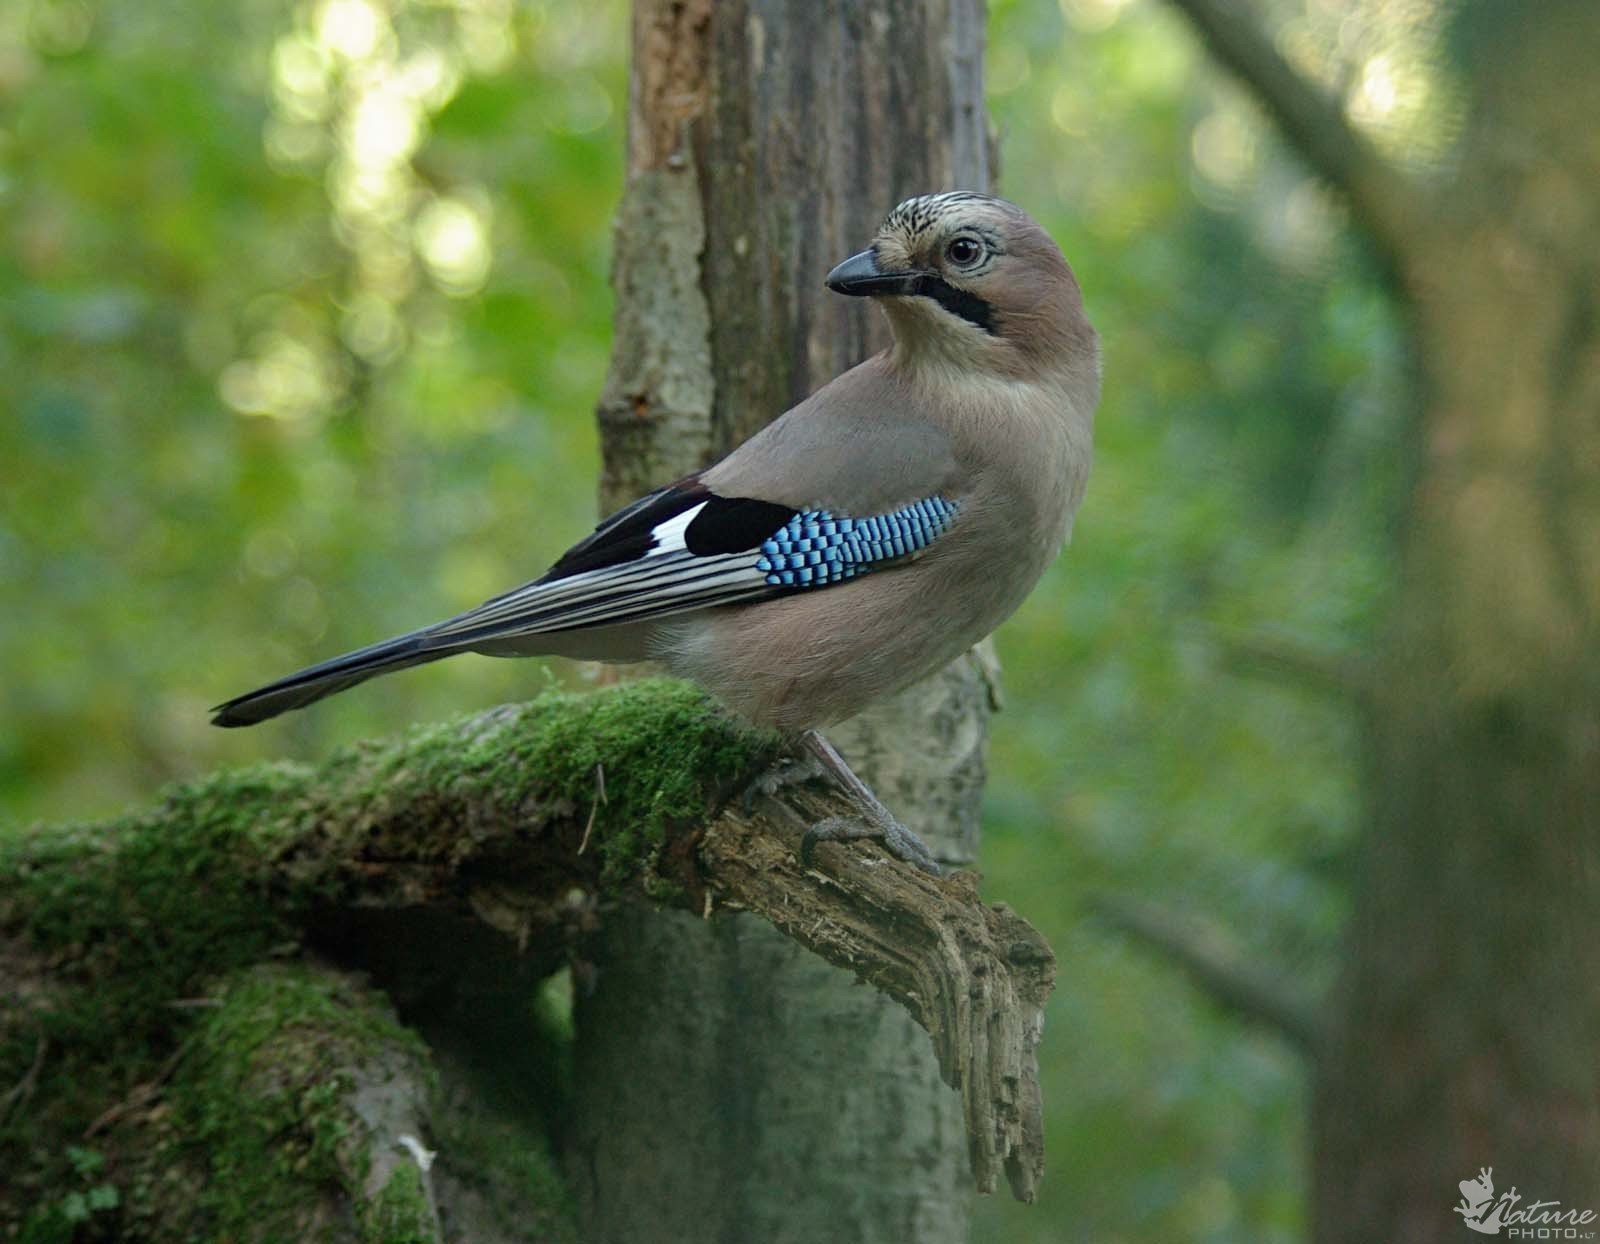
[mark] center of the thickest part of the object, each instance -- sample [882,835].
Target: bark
[730,1086]
[1468,1016]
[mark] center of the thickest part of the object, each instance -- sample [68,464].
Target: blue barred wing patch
[817,549]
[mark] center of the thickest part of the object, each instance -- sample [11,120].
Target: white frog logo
[1479,1207]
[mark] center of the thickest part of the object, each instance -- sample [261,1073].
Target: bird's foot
[787,771]
[899,841]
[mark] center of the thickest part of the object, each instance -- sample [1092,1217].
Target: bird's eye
[963,251]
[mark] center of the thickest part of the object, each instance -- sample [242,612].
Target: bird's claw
[899,841]
[785,772]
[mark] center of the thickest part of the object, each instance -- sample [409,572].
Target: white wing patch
[669,535]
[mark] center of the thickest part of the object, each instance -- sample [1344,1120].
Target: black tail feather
[329,678]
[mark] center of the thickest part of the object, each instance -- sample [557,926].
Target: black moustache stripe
[970,307]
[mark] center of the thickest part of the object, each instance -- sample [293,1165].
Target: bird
[858,542]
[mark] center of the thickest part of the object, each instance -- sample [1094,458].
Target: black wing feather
[734,524]
[723,525]
[629,533]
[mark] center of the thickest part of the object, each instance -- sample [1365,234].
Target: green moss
[400,1213]
[667,752]
[522,1192]
[129,917]
[123,918]
[263,1101]
[141,903]
[259,1134]
[85,1208]
[223,869]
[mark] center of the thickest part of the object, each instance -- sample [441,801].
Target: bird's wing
[676,549]
[854,478]
[861,444]
[686,547]
[682,547]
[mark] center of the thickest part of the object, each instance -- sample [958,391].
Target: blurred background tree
[303,314]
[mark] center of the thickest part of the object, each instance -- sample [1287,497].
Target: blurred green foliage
[263,398]
[303,313]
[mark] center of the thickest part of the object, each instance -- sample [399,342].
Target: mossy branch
[521,819]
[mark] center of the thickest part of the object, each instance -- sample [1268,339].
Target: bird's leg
[878,821]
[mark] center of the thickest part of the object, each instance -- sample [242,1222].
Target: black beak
[860,276]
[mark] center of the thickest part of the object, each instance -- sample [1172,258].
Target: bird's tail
[598,612]
[329,678]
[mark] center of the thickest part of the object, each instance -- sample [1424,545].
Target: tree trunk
[1469,1030]
[730,1086]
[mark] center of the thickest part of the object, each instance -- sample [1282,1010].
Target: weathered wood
[655,409]
[975,976]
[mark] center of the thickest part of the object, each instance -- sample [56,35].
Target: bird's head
[971,280]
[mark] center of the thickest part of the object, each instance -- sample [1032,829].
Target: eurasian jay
[856,544]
